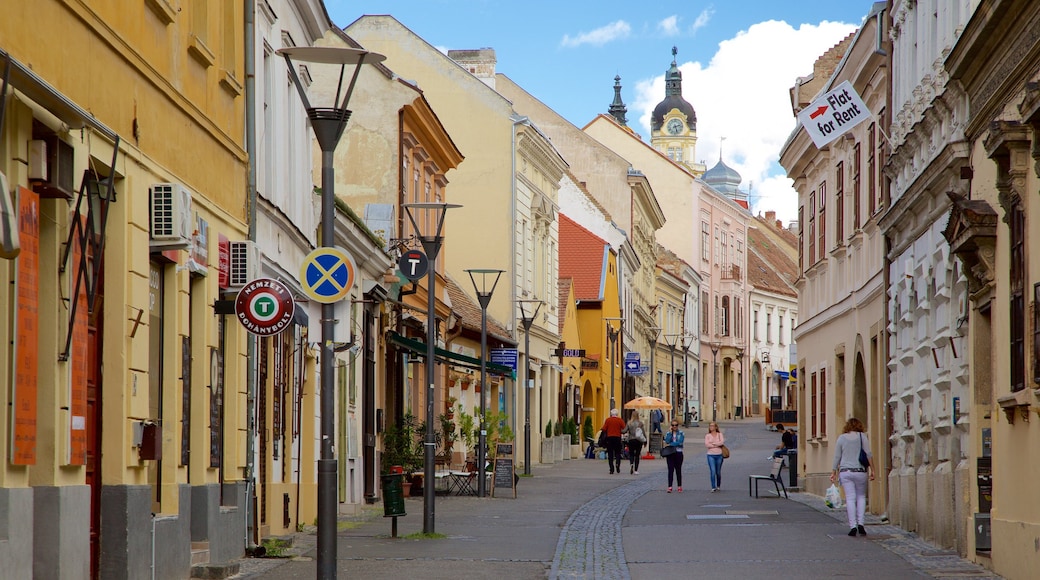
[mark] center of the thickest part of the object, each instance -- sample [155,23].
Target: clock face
[675,126]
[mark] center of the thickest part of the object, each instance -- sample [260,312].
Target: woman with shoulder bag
[673,454]
[715,442]
[636,438]
[853,464]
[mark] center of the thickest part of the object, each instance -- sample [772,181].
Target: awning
[783,374]
[446,356]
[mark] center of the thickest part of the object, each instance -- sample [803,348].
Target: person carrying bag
[673,453]
[852,467]
[636,439]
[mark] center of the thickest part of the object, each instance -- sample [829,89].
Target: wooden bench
[774,476]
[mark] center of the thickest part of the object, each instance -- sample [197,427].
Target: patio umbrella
[648,403]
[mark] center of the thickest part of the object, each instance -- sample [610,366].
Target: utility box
[151,442]
[983,543]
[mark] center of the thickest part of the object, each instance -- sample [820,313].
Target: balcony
[731,272]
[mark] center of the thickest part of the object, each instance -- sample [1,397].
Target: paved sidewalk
[574,520]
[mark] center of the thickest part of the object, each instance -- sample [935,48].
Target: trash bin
[738,411]
[393,495]
[792,467]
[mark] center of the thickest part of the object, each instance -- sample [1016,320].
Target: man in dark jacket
[787,441]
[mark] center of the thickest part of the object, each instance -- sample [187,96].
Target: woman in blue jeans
[714,442]
[674,438]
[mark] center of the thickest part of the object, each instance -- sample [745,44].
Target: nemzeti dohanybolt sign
[833,114]
[265,307]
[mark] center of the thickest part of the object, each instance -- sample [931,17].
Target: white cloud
[669,26]
[702,19]
[600,36]
[742,95]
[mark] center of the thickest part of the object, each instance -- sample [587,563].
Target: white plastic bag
[833,497]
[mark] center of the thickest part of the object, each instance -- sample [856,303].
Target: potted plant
[449,406]
[467,429]
[400,446]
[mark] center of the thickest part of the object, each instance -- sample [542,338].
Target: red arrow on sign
[821,110]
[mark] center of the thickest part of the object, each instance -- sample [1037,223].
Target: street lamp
[612,336]
[527,320]
[715,346]
[655,331]
[328,124]
[484,298]
[686,378]
[740,381]
[432,246]
[673,392]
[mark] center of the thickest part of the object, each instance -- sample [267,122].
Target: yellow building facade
[123,144]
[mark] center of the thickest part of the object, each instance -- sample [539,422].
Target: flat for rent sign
[833,114]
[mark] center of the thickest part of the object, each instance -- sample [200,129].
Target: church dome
[723,178]
[673,99]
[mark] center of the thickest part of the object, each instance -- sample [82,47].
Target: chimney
[480,63]
[770,216]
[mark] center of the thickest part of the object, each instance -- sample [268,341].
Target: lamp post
[673,391]
[715,346]
[655,331]
[612,336]
[686,378]
[527,320]
[328,124]
[740,380]
[484,298]
[432,246]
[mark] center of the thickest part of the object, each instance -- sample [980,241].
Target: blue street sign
[506,357]
[632,362]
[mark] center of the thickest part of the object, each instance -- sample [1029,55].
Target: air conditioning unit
[50,167]
[169,206]
[244,264]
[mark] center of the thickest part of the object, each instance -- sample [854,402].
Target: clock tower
[673,124]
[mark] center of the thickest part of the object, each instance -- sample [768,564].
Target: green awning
[446,356]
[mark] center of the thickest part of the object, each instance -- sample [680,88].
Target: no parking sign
[265,307]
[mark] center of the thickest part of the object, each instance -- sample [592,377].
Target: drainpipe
[521,374]
[250,90]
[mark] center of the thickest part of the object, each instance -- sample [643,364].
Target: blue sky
[738,59]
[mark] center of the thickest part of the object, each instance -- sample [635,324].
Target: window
[780,322]
[718,315]
[823,218]
[738,315]
[717,245]
[813,407]
[1017,228]
[823,403]
[882,181]
[871,177]
[839,203]
[725,250]
[725,316]
[801,239]
[812,228]
[704,313]
[705,242]
[769,328]
[754,324]
[855,187]
[1036,332]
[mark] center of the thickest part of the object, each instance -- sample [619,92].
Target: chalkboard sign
[504,449]
[504,476]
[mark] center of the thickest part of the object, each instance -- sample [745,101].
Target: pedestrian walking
[636,438]
[673,454]
[656,418]
[612,428]
[853,464]
[714,440]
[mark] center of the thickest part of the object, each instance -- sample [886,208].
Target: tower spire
[673,78]
[618,108]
